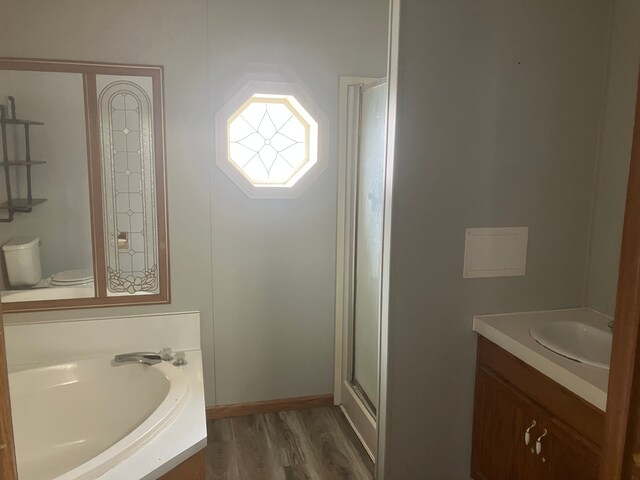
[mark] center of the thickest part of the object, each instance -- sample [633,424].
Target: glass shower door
[359,277]
[368,243]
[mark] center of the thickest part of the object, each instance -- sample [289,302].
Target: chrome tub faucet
[148,358]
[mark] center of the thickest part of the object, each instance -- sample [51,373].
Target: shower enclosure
[363,131]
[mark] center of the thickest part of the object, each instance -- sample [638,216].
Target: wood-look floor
[315,444]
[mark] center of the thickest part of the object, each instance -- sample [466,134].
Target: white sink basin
[575,340]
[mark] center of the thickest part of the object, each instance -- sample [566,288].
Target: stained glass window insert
[272,140]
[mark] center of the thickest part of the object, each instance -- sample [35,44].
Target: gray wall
[615,153]
[499,105]
[163,32]
[274,260]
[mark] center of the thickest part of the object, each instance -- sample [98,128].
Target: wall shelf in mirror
[12,204]
[17,121]
[21,204]
[18,163]
[104,142]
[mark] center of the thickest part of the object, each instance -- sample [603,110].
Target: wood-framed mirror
[83,202]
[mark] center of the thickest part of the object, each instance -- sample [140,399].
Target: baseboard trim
[269,406]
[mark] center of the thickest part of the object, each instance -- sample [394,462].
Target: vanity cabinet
[567,454]
[511,399]
[502,415]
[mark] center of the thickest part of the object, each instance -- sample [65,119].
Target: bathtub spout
[148,358]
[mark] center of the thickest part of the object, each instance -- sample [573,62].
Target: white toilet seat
[68,278]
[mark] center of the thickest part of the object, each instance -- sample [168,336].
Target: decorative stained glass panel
[128,176]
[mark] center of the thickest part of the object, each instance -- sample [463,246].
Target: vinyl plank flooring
[314,444]
[299,472]
[349,440]
[221,458]
[335,458]
[254,455]
[220,431]
[312,469]
[221,461]
[284,439]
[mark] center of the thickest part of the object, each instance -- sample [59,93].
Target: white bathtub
[88,419]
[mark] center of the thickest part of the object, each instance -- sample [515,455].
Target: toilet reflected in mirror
[24,273]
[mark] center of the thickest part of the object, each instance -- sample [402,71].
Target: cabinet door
[566,454]
[501,417]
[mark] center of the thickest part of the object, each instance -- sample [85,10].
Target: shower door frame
[351,401]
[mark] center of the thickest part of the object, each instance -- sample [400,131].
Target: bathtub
[87,419]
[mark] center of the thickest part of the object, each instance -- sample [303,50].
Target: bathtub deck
[315,444]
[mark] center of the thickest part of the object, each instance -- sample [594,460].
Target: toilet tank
[22,258]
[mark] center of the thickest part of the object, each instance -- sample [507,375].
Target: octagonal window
[272,140]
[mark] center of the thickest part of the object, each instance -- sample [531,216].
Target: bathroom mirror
[82,194]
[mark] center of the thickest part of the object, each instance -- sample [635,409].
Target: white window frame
[231,108]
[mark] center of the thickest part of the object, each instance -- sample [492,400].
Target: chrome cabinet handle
[527,435]
[539,441]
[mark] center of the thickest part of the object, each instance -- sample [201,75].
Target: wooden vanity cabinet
[511,398]
[567,454]
[502,415]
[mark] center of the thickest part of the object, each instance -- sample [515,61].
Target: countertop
[511,332]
